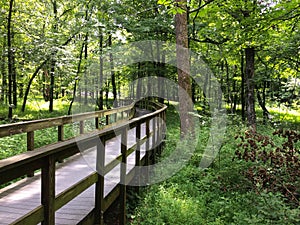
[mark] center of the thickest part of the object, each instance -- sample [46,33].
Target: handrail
[44,158]
[30,127]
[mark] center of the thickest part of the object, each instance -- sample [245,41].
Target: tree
[12,100]
[183,67]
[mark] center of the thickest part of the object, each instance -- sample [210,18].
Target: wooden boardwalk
[20,198]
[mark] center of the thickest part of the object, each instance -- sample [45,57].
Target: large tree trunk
[183,68]
[251,115]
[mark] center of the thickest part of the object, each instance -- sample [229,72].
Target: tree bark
[112,69]
[10,60]
[53,61]
[251,115]
[30,82]
[76,78]
[243,87]
[4,74]
[183,68]
[85,73]
[100,100]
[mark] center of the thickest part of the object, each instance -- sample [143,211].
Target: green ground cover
[222,193]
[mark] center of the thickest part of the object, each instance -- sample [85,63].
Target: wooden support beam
[123,176]
[30,147]
[99,195]
[153,145]
[138,156]
[48,190]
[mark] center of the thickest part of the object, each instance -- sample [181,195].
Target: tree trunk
[53,61]
[10,60]
[183,68]
[85,69]
[251,115]
[76,78]
[112,69]
[100,100]
[14,77]
[30,82]
[243,87]
[139,83]
[52,83]
[4,74]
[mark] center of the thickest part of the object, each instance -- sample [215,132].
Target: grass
[220,194]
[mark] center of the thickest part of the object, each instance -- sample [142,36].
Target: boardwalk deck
[20,198]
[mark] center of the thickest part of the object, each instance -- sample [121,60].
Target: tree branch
[209,40]
[201,7]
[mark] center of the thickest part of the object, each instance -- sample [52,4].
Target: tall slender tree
[10,56]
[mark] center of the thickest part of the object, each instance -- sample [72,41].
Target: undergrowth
[220,194]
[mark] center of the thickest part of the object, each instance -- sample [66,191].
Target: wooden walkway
[20,198]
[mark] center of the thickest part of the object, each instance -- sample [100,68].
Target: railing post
[116,117]
[97,122]
[138,156]
[99,195]
[30,141]
[60,137]
[60,133]
[147,155]
[107,119]
[153,146]
[123,176]
[30,146]
[81,127]
[48,191]
[158,137]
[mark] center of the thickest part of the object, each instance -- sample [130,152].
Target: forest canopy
[48,47]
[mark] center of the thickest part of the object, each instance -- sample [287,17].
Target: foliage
[220,194]
[273,169]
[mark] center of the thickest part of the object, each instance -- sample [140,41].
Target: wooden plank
[75,190]
[89,219]
[112,164]
[111,197]
[33,217]
[19,171]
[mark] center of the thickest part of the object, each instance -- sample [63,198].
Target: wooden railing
[45,159]
[109,116]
